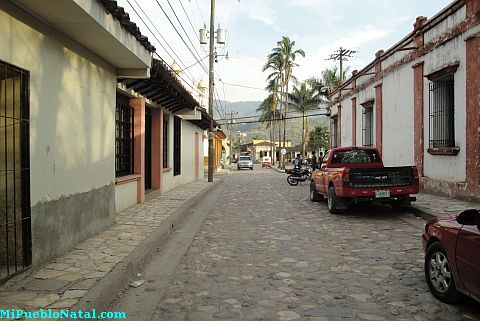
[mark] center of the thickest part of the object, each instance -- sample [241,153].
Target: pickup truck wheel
[314,196]
[332,200]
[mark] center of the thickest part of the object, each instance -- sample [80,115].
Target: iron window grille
[165,141]
[367,126]
[441,112]
[177,135]
[124,139]
[334,134]
[15,223]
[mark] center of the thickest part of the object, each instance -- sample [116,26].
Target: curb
[107,289]
[422,212]
[276,169]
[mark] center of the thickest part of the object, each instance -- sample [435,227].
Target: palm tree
[331,77]
[304,98]
[269,114]
[282,59]
[274,63]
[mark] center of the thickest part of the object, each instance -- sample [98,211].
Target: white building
[418,102]
[85,130]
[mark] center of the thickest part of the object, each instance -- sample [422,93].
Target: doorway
[148,149]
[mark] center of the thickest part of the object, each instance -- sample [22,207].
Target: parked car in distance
[244,161]
[350,175]
[266,161]
[452,260]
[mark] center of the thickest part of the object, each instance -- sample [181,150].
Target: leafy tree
[318,138]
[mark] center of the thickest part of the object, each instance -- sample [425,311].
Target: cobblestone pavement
[62,283]
[267,253]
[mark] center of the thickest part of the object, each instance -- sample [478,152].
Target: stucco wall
[397,94]
[72,112]
[449,168]
[187,156]
[125,195]
[72,133]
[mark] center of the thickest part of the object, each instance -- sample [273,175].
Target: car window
[325,159]
[355,156]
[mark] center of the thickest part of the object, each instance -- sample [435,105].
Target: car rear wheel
[314,196]
[332,200]
[439,275]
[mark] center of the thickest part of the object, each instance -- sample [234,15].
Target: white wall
[449,168]
[72,110]
[187,156]
[125,195]
[398,109]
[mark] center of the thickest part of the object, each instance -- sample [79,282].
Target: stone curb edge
[107,289]
[422,212]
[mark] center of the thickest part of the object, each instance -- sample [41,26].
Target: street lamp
[221,37]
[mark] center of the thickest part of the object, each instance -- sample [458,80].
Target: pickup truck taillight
[415,175]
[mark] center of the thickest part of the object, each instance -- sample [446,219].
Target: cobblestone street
[266,252]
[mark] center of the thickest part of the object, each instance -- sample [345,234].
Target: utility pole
[230,129]
[211,151]
[341,55]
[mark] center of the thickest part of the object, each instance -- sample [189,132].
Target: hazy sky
[254,26]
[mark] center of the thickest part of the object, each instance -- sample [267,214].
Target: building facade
[418,102]
[89,124]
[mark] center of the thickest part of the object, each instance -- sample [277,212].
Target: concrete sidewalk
[428,205]
[96,270]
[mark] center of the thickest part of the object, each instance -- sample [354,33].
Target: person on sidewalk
[314,161]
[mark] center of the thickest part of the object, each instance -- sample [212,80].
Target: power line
[266,120]
[178,33]
[153,34]
[191,42]
[297,113]
[243,86]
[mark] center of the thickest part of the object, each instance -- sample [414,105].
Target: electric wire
[266,120]
[178,33]
[190,40]
[153,34]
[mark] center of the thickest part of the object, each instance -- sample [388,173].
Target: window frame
[334,134]
[367,110]
[124,137]
[441,111]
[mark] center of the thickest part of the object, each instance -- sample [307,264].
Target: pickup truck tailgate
[380,177]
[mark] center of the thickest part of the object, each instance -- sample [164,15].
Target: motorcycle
[297,175]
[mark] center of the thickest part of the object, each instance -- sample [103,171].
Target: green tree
[304,98]
[318,138]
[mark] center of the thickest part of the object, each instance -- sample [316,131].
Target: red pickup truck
[350,175]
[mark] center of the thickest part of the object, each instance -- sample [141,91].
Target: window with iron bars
[124,152]
[15,226]
[334,134]
[441,112]
[367,126]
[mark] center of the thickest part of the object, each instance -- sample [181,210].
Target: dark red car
[452,260]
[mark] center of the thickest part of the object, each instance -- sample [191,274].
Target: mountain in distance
[257,130]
